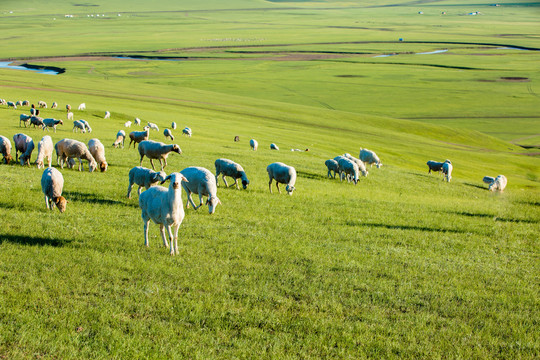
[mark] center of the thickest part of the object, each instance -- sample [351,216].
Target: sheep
[253,144]
[52,184]
[282,174]
[137,121]
[107,115]
[12,104]
[5,149]
[164,207]
[153,126]
[25,119]
[358,162]
[496,184]
[157,150]
[69,115]
[18,103]
[332,165]
[3,102]
[236,138]
[187,132]
[447,170]
[54,105]
[45,149]
[69,148]
[173,125]
[82,106]
[26,103]
[79,125]
[230,168]
[86,125]
[274,147]
[202,182]
[36,121]
[68,108]
[127,124]
[42,104]
[25,145]
[144,178]
[369,157]
[138,136]
[168,133]
[434,166]
[349,168]
[97,150]
[120,137]
[49,122]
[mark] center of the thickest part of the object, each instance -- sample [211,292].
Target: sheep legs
[48,203]
[190,201]
[146,222]
[174,240]
[162,231]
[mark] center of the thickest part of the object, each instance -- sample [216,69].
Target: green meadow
[401,265]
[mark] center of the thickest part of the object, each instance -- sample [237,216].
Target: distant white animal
[358,162]
[144,178]
[45,150]
[173,125]
[25,145]
[137,121]
[42,104]
[447,171]
[82,106]
[50,122]
[54,105]
[69,148]
[153,126]
[12,104]
[274,147]
[86,125]
[369,157]
[230,168]
[52,185]
[496,184]
[253,144]
[282,173]
[78,125]
[70,115]
[97,150]
[127,124]
[202,182]
[138,136]
[332,165]
[157,150]
[349,169]
[187,132]
[120,137]
[5,149]
[107,115]
[168,134]
[25,119]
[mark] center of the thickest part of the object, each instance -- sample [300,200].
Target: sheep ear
[183,178]
[167,178]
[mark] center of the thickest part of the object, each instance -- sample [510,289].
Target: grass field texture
[402,265]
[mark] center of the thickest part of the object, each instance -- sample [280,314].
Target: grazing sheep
[447,170]
[69,115]
[153,126]
[25,119]
[332,165]
[5,149]
[187,132]
[12,104]
[82,106]
[54,105]
[282,174]
[236,138]
[79,125]
[164,207]
[369,157]
[274,147]
[120,137]
[349,168]
[496,184]
[107,115]
[26,103]
[173,125]
[69,148]
[230,168]
[358,162]
[144,178]
[138,136]
[68,108]
[42,104]
[49,122]
[97,150]
[253,144]
[36,121]
[157,150]
[25,145]
[3,102]
[45,150]
[168,133]
[434,166]
[202,182]
[18,103]
[127,124]
[52,184]
[137,121]
[86,125]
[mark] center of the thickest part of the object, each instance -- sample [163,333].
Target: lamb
[274,147]
[127,124]
[168,133]
[45,149]
[97,150]
[144,178]
[138,136]
[25,145]
[230,168]
[107,115]
[187,132]
[369,157]
[52,184]
[54,105]
[25,119]
[202,182]
[157,150]
[173,125]
[79,125]
[5,149]
[120,137]
[42,104]
[358,162]
[496,184]
[37,121]
[153,126]
[137,121]
[349,168]
[332,165]
[164,207]
[82,106]
[86,125]
[49,122]
[12,104]
[282,174]
[69,148]
[69,115]
[254,144]
[447,170]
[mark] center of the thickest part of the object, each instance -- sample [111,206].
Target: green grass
[402,265]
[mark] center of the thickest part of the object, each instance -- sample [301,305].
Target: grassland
[403,265]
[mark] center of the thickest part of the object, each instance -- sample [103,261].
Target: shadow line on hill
[33,240]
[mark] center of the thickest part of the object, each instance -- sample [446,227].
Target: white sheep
[86,125]
[5,149]
[496,184]
[434,166]
[78,125]
[167,133]
[45,150]
[273,147]
[332,165]
[25,145]
[138,136]
[369,157]
[97,150]
[144,178]
[253,144]
[164,207]
[42,104]
[153,126]
[25,119]
[69,148]
[54,105]
[230,168]
[447,170]
[358,162]
[37,121]
[120,137]
[52,184]
[69,115]
[187,132]
[137,121]
[68,108]
[157,150]
[26,103]
[82,106]
[18,103]
[127,124]
[202,182]
[107,115]
[12,104]
[50,122]
[173,125]
[349,168]
[282,173]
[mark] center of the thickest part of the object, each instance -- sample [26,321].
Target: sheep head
[176,149]
[175,179]
[245,183]
[212,202]
[290,189]
[103,166]
[60,203]
[8,158]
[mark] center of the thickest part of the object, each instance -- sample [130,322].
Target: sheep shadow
[405,227]
[311,175]
[469,214]
[33,240]
[476,186]
[89,198]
